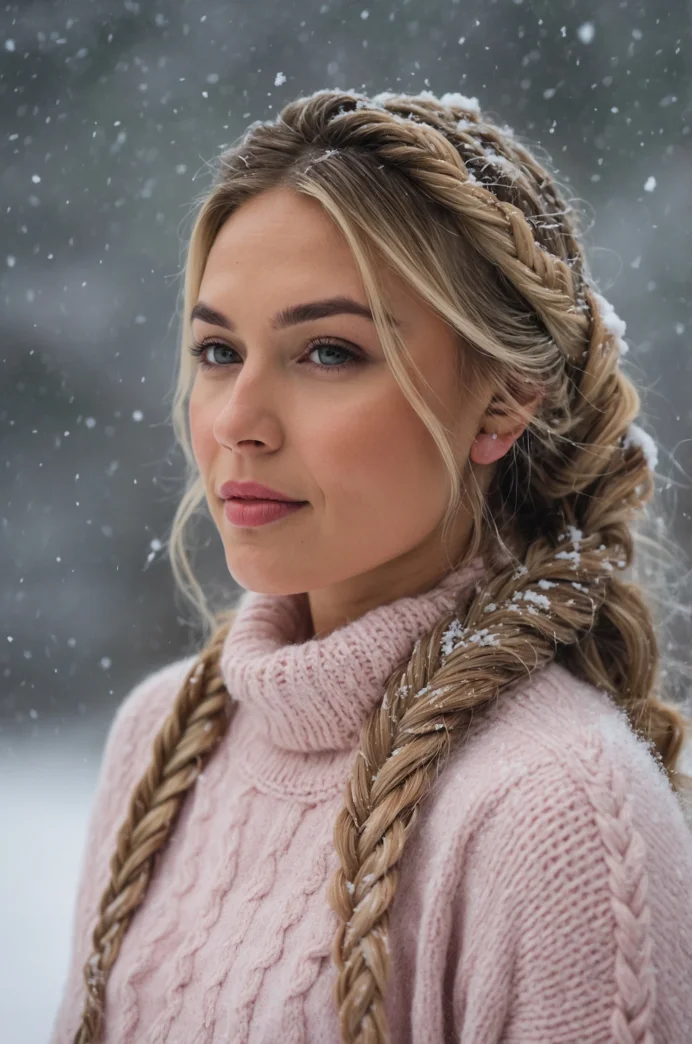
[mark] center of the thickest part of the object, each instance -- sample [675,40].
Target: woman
[440,798]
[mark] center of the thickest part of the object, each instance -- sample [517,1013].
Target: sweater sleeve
[125,758]
[574,918]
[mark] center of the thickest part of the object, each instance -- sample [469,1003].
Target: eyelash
[198,350]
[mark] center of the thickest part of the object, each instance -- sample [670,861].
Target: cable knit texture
[544,895]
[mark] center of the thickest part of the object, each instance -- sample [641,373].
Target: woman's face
[277,408]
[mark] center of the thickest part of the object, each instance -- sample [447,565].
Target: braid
[583,482]
[511,629]
[198,720]
[497,229]
[496,159]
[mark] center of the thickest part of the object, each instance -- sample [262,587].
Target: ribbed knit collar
[313,695]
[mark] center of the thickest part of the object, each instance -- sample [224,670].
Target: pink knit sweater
[544,895]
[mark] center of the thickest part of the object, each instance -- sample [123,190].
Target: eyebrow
[294,314]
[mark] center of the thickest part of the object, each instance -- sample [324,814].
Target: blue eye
[317,346]
[199,350]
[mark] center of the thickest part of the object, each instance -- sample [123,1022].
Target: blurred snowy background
[110,111]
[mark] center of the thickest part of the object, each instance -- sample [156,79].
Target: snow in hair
[636,436]
[612,322]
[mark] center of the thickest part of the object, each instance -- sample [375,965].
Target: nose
[247,418]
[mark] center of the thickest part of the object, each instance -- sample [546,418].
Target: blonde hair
[467,216]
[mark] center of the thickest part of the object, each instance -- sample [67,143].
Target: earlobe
[490,446]
[486,448]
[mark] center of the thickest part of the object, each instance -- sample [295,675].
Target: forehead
[284,246]
[280,226]
[282,249]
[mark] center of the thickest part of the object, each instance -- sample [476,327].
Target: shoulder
[151,697]
[131,733]
[563,859]
[553,765]
[126,755]
[554,718]
[146,706]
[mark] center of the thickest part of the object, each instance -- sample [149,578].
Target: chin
[267,575]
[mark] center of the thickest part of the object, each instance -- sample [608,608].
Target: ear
[501,426]
[487,447]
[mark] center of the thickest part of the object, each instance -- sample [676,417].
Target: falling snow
[586,32]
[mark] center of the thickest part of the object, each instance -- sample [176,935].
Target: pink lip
[254,491]
[258,512]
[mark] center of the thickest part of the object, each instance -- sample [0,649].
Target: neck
[408,575]
[311,696]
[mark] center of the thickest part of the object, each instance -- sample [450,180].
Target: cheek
[201,435]
[377,463]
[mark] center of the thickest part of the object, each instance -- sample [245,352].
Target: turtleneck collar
[312,695]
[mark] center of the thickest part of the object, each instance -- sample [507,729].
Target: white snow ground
[46,788]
